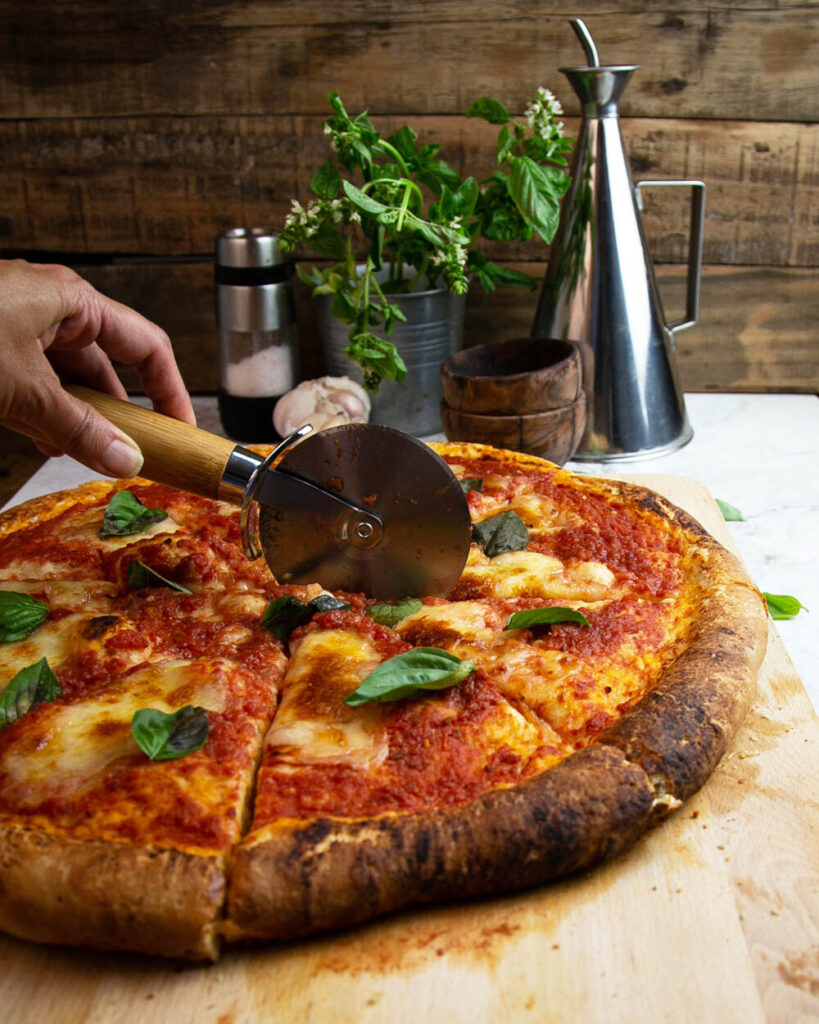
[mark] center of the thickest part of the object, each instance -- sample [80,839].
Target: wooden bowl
[553,435]
[522,375]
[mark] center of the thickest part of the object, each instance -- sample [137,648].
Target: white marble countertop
[760,453]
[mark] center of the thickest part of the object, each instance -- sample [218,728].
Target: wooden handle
[175,453]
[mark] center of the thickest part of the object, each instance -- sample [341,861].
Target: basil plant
[394,216]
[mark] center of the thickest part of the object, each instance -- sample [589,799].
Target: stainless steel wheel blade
[414,539]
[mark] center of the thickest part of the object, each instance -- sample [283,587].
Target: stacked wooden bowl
[525,394]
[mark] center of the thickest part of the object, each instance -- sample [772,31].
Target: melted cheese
[532,574]
[462,627]
[234,603]
[538,511]
[313,724]
[523,735]
[57,639]
[54,641]
[85,525]
[91,597]
[72,744]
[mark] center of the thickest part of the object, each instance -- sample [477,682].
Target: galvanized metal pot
[433,331]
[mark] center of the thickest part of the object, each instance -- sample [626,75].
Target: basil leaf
[165,737]
[783,606]
[20,615]
[364,202]
[125,514]
[503,532]
[730,513]
[284,614]
[424,668]
[388,614]
[490,110]
[326,181]
[471,483]
[35,684]
[327,603]
[141,575]
[536,195]
[404,141]
[544,617]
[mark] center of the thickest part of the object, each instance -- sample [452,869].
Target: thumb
[81,432]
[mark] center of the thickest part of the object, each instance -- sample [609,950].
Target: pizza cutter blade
[405,532]
[360,507]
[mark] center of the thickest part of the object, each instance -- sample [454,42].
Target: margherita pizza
[191,752]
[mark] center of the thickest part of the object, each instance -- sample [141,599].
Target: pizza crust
[680,731]
[109,896]
[296,880]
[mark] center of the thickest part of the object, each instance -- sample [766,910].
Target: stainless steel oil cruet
[600,289]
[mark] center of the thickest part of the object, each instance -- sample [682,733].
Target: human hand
[55,324]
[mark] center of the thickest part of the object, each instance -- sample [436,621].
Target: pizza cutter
[359,507]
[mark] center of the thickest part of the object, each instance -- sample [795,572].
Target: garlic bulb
[324,402]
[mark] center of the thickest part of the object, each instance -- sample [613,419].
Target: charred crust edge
[585,810]
[109,895]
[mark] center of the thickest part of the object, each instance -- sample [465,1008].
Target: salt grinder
[257,331]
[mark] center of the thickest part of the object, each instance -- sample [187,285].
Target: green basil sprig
[423,668]
[390,614]
[34,684]
[783,606]
[125,514]
[166,736]
[544,617]
[284,614]
[500,533]
[141,575]
[20,615]
[730,513]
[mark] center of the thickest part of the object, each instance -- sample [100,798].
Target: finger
[48,450]
[129,338]
[56,418]
[89,366]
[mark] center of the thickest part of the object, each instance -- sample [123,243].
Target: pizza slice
[100,530]
[352,774]
[130,729]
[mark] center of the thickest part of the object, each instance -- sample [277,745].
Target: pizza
[193,754]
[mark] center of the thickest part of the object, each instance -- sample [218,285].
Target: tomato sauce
[438,757]
[632,542]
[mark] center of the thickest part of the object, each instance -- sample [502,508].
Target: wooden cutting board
[712,917]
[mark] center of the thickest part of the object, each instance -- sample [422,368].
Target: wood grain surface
[132,135]
[712,917]
[168,185]
[757,328]
[261,57]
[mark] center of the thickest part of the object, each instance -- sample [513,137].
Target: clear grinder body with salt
[258,352]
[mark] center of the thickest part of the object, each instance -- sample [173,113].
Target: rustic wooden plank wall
[130,135]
